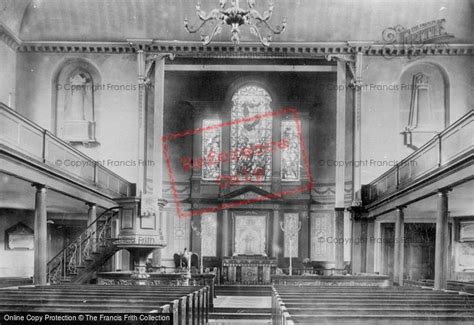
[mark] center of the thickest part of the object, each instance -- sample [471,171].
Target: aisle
[237,307]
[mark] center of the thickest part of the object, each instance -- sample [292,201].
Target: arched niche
[76,97]
[424,103]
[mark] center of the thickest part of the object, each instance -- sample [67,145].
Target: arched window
[76,100]
[250,134]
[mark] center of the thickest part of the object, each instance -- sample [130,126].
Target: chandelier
[235,16]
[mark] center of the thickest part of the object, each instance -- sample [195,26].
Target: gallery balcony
[34,154]
[443,161]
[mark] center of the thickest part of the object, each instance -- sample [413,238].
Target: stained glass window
[290,155]
[211,148]
[249,160]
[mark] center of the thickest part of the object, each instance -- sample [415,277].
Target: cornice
[250,50]
[9,38]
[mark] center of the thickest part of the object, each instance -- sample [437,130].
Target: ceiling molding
[251,50]
[9,38]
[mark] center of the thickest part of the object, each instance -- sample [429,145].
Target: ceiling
[307,20]
[19,194]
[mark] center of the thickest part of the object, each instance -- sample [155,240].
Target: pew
[369,305]
[189,305]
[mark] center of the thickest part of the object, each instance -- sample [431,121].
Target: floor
[244,306]
[242,302]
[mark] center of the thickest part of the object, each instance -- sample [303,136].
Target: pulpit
[248,269]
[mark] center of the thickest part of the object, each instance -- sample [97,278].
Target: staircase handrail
[78,241]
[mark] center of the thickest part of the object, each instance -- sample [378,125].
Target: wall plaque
[20,236]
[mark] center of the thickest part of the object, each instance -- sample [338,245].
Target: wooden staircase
[81,258]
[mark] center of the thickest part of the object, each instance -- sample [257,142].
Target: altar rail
[446,148]
[160,279]
[38,145]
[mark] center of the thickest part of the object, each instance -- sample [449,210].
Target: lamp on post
[198,233]
[291,229]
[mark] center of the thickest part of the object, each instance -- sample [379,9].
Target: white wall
[7,74]
[15,263]
[381,138]
[116,114]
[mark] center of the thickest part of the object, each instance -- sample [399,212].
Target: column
[156,169]
[276,161]
[399,247]
[141,177]
[340,169]
[357,140]
[339,235]
[196,234]
[276,248]
[41,236]
[441,244]
[91,224]
[370,255]
[304,236]
[359,243]
[225,233]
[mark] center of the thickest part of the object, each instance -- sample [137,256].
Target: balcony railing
[39,145]
[446,148]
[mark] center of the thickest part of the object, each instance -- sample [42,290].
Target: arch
[423,102]
[76,98]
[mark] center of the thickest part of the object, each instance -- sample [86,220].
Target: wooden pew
[358,305]
[189,305]
[203,298]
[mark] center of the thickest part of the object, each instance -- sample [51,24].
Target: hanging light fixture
[235,16]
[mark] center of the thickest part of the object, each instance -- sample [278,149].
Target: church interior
[238,162]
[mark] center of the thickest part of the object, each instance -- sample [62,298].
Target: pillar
[141,153]
[196,234]
[370,247]
[225,233]
[304,236]
[399,246]
[441,244]
[359,244]
[357,139]
[155,170]
[339,235]
[41,236]
[91,224]
[340,174]
[276,248]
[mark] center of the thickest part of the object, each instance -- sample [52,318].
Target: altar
[248,269]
